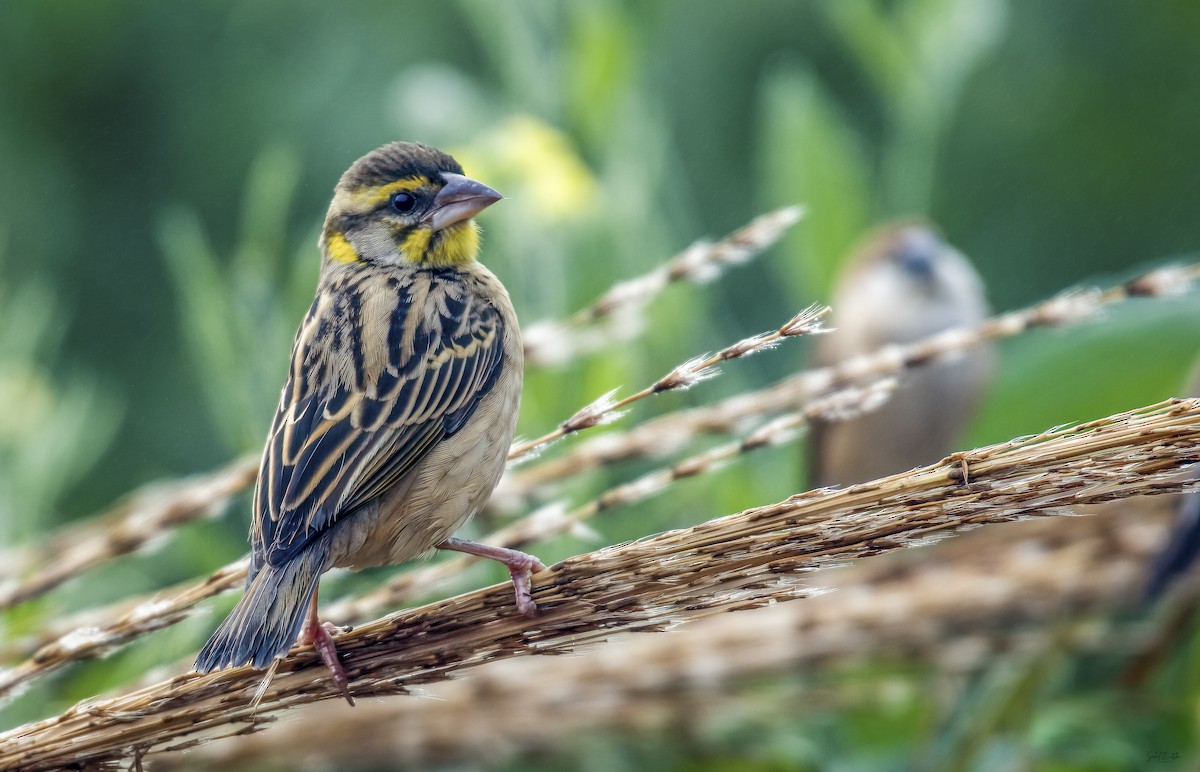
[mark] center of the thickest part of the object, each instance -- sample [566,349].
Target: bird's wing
[330,452]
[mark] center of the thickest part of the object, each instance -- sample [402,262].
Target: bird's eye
[403,202]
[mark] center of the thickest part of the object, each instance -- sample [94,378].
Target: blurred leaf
[1051,377]
[950,38]
[601,65]
[52,430]
[206,313]
[918,56]
[270,188]
[812,157]
[519,43]
[1076,733]
[874,40]
[236,321]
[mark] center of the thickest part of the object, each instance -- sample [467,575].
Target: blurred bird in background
[1183,544]
[902,284]
[399,407]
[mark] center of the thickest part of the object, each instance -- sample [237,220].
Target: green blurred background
[166,167]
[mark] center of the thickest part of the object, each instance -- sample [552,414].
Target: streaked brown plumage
[399,408]
[904,283]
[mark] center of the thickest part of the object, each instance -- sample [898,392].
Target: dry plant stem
[736,562]
[131,524]
[549,522]
[691,372]
[78,641]
[84,643]
[668,433]
[71,637]
[79,547]
[965,602]
[54,654]
[548,343]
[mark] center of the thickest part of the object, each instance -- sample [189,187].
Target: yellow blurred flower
[533,162]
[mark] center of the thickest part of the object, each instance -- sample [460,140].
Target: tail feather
[266,622]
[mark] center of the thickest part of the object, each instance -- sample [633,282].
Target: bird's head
[405,203]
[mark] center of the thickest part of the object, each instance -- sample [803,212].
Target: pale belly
[440,494]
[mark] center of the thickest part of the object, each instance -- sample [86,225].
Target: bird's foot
[521,566]
[320,635]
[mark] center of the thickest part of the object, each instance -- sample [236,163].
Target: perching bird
[399,408]
[903,284]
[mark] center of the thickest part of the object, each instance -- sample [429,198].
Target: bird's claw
[321,638]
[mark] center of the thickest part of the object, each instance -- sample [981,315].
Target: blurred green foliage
[52,431]
[166,167]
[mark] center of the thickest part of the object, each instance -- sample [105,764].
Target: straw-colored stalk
[554,343]
[607,409]
[667,434]
[554,520]
[131,524]
[130,620]
[740,561]
[161,509]
[140,616]
[963,603]
[77,548]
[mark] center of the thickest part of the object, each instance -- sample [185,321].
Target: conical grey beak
[461,198]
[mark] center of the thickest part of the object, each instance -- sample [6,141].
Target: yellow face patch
[458,244]
[340,249]
[455,245]
[416,243]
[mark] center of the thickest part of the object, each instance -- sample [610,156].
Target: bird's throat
[457,244]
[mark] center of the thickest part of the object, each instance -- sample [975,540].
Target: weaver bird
[904,283]
[399,407]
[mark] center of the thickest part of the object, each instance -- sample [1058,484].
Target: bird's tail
[266,621]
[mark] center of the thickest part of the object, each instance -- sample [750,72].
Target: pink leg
[321,638]
[520,567]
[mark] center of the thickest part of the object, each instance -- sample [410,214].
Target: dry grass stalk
[736,562]
[178,502]
[77,548]
[553,343]
[78,643]
[138,520]
[683,376]
[74,642]
[147,615]
[962,604]
[142,617]
[669,433]
[96,633]
[553,520]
